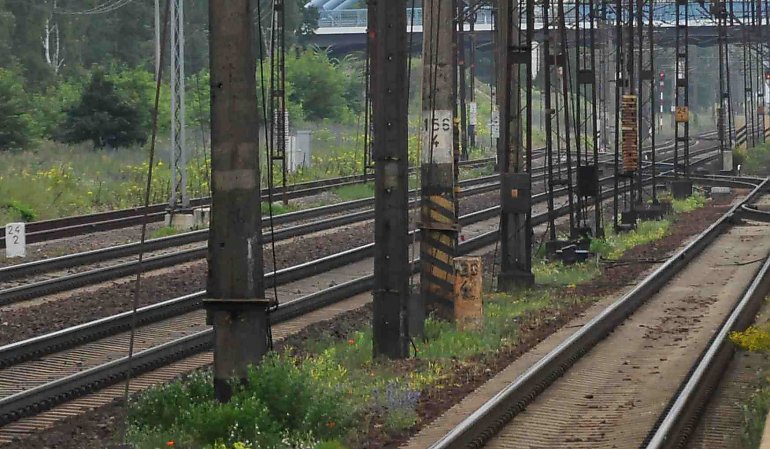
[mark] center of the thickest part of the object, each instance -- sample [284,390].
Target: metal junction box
[516,193]
[588,180]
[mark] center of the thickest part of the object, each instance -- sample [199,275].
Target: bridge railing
[665,11]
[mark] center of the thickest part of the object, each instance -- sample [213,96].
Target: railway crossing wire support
[682,188]
[586,134]
[391,156]
[438,213]
[515,143]
[236,303]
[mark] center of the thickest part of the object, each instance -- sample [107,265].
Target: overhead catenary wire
[147,192]
[269,163]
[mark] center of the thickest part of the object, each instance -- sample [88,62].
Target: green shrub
[613,245]
[105,117]
[282,401]
[19,209]
[15,123]
[689,204]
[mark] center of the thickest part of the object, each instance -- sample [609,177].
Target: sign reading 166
[439,124]
[437,137]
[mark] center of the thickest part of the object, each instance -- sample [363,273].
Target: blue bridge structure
[344,30]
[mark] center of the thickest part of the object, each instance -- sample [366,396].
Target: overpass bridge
[344,30]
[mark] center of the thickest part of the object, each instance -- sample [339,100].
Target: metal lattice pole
[516,144]
[280,118]
[681,86]
[179,197]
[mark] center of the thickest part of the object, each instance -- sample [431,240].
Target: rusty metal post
[235,285]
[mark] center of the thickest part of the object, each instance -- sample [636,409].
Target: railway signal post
[236,289]
[515,142]
[391,156]
[682,188]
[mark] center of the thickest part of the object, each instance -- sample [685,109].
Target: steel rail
[38,346]
[76,280]
[100,255]
[64,283]
[40,231]
[44,230]
[677,422]
[751,213]
[104,254]
[47,395]
[487,420]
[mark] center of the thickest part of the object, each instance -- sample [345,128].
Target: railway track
[121,268]
[637,371]
[42,372]
[41,231]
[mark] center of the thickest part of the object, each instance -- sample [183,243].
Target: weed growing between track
[329,393]
[754,161]
[756,407]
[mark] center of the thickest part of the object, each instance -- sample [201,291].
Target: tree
[7,25]
[319,86]
[103,116]
[14,120]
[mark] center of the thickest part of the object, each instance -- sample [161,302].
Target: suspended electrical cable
[104,8]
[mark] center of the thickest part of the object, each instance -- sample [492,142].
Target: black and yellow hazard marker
[740,136]
[438,247]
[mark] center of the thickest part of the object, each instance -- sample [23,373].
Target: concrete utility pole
[438,223]
[236,285]
[514,150]
[179,197]
[391,202]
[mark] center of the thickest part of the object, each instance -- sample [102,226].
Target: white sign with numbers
[437,137]
[15,240]
[474,114]
[494,124]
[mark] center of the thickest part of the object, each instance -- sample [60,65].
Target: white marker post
[15,240]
